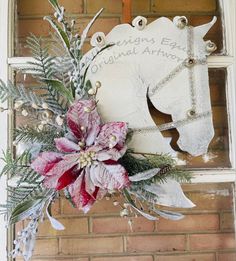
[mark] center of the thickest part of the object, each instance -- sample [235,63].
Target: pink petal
[97,195]
[93,131]
[89,185]
[58,170]
[67,178]
[112,134]
[61,167]
[74,190]
[45,162]
[78,116]
[65,145]
[82,199]
[113,154]
[111,176]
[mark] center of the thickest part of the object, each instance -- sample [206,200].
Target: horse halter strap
[188,63]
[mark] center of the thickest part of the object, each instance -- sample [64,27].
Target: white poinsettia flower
[180,21]
[98,40]
[139,22]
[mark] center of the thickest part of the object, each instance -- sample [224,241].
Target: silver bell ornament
[210,46]
[98,40]
[190,62]
[191,113]
[139,22]
[180,21]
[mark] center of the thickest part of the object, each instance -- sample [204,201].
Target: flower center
[86,158]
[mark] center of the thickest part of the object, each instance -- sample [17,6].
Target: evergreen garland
[44,137]
[43,69]
[27,183]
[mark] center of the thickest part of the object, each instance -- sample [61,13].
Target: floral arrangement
[69,150]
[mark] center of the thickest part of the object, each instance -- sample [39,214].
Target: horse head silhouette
[166,62]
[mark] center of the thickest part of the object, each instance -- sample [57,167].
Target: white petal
[109,177]
[89,184]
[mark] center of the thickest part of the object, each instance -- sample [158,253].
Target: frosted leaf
[168,214]
[169,194]
[145,175]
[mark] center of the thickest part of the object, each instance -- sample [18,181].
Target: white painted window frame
[217,61]
[4,117]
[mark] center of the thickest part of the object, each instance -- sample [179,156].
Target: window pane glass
[30,16]
[197,12]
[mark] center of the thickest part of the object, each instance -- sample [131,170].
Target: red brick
[120,225]
[68,209]
[139,6]
[73,246]
[227,221]
[38,27]
[35,7]
[155,243]
[227,256]
[212,241]
[73,226]
[55,206]
[190,223]
[104,24]
[61,259]
[19,226]
[100,207]
[110,6]
[41,27]
[105,206]
[193,257]
[210,201]
[182,5]
[46,247]
[124,258]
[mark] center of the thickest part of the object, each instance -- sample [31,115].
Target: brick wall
[30,14]
[206,234]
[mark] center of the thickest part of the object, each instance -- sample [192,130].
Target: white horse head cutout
[165,61]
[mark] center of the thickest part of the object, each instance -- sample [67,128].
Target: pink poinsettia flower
[88,160]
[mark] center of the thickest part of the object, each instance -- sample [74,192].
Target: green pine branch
[28,185]
[43,68]
[45,137]
[14,165]
[9,91]
[135,165]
